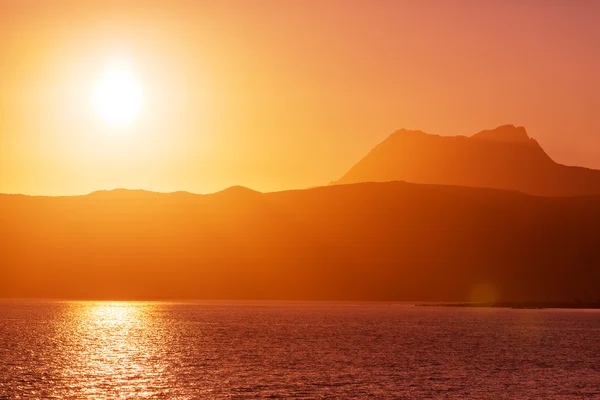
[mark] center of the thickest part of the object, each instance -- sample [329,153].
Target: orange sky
[283,94]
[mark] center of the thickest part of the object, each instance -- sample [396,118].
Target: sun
[117,96]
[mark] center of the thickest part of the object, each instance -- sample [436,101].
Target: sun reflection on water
[117,347]
[112,313]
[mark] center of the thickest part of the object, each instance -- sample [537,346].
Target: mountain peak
[237,191]
[501,158]
[506,133]
[406,132]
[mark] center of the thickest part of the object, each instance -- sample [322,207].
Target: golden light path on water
[116,349]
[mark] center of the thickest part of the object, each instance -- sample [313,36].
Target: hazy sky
[283,94]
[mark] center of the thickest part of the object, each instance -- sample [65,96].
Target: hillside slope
[370,241]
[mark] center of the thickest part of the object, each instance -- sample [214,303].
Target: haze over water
[301,350]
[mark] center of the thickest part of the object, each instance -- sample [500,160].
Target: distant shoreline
[521,305]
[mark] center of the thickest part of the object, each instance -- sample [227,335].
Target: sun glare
[117,97]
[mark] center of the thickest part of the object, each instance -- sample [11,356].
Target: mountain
[367,241]
[501,158]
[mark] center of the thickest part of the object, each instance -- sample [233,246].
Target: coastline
[591,305]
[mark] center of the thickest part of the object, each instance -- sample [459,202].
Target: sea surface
[294,350]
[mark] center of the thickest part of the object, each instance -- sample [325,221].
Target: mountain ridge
[501,158]
[364,241]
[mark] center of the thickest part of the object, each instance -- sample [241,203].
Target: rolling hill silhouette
[367,241]
[502,158]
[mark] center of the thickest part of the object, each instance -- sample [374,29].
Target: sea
[304,350]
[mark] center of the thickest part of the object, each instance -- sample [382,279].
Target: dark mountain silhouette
[368,241]
[502,158]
